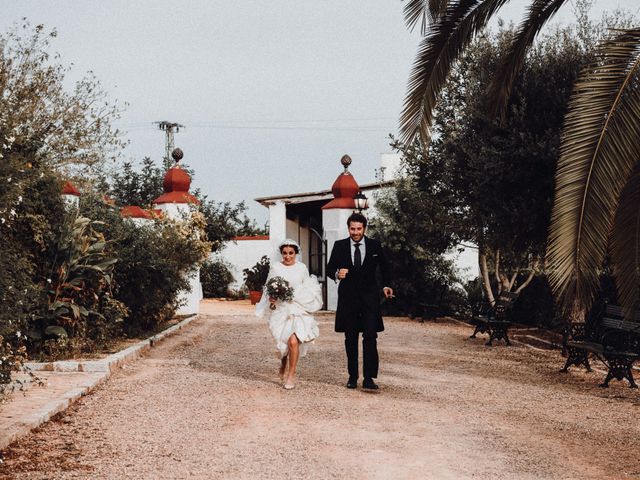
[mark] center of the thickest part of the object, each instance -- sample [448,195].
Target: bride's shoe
[289,385]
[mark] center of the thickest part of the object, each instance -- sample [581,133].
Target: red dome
[176,180]
[344,189]
[69,189]
[176,185]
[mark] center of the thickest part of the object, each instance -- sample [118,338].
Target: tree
[413,220]
[494,179]
[225,221]
[32,218]
[130,187]
[597,159]
[65,129]
[449,28]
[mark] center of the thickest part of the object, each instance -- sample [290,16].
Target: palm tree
[597,178]
[596,205]
[449,26]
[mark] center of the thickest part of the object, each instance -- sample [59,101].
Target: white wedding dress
[293,317]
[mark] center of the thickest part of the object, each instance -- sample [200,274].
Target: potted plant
[255,278]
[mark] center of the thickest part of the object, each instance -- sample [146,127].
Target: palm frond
[423,12]
[416,11]
[438,51]
[625,245]
[538,15]
[599,150]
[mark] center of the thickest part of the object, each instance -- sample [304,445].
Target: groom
[353,263]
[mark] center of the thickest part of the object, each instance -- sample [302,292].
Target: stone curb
[99,370]
[110,363]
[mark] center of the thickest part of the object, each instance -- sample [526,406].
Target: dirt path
[207,404]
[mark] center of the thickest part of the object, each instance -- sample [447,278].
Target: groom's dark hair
[357,217]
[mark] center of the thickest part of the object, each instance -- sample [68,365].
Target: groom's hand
[388,292]
[342,273]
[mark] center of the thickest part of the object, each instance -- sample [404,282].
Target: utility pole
[169,128]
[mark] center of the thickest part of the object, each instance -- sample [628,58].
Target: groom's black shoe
[369,384]
[352,382]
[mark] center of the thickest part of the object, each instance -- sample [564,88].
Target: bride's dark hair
[295,247]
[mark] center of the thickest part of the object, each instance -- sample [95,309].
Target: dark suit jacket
[359,292]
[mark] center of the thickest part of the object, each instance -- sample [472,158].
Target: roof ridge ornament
[346,161]
[177,154]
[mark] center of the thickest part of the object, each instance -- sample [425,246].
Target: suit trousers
[369,353]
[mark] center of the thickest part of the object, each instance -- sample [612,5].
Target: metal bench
[495,320]
[608,337]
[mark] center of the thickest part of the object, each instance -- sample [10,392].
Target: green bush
[32,216]
[215,278]
[81,314]
[153,262]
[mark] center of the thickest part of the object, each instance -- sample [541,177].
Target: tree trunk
[529,278]
[484,272]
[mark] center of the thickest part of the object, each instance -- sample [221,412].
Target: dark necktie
[357,257]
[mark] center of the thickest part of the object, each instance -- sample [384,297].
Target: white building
[316,220]
[313,219]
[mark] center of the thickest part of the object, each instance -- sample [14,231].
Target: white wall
[189,300]
[277,223]
[243,254]
[334,222]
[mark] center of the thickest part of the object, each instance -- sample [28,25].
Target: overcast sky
[271,94]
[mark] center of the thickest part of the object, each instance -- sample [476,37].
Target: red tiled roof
[69,189]
[252,237]
[133,211]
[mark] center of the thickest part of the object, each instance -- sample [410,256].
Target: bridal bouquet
[280,290]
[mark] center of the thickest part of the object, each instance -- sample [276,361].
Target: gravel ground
[207,403]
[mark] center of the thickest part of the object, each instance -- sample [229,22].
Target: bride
[291,324]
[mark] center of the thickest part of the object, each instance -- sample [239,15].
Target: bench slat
[620,324]
[616,311]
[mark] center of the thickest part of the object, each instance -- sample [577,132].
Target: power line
[319,128]
[273,121]
[257,125]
